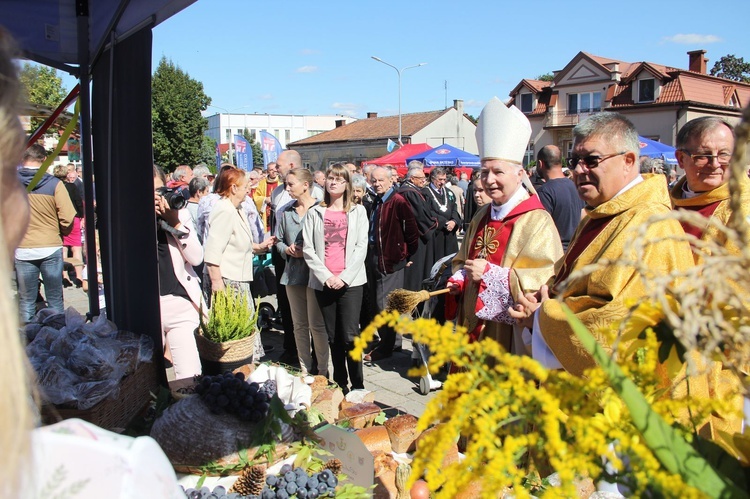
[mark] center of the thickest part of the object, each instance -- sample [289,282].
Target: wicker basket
[113,414]
[217,358]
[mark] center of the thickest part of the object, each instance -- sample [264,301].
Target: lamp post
[399,71]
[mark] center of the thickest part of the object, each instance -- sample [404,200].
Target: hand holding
[475,269]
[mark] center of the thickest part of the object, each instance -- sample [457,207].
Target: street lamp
[399,89]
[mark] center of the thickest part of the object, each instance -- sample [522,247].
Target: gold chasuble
[598,298]
[712,204]
[526,242]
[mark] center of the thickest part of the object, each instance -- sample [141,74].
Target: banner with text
[244,153]
[218,158]
[270,146]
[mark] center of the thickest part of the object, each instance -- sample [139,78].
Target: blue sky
[302,57]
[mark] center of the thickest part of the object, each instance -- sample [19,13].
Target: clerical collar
[500,212]
[688,193]
[434,188]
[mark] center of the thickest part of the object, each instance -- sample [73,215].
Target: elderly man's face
[500,179]
[599,184]
[704,172]
[284,164]
[272,172]
[380,181]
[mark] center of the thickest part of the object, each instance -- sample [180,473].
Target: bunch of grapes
[296,483]
[230,393]
[219,492]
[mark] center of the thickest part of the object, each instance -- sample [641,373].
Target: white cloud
[309,52]
[347,108]
[307,69]
[265,97]
[692,39]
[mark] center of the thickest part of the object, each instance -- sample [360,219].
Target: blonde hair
[16,415]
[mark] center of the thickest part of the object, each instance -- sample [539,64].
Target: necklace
[444,205]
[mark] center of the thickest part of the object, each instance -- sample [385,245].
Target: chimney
[459,105]
[614,71]
[372,115]
[697,61]
[340,123]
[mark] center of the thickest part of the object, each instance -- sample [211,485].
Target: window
[589,102]
[229,135]
[276,133]
[239,132]
[646,90]
[287,135]
[528,156]
[253,134]
[527,103]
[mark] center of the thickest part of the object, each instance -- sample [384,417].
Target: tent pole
[84,76]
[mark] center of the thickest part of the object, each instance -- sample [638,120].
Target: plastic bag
[90,393]
[100,326]
[56,382]
[93,363]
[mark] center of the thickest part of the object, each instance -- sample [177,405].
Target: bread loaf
[319,384]
[383,462]
[360,415]
[327,402]
[375,438]
[402,430]
[385,486]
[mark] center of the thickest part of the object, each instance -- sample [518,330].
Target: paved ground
[387,378]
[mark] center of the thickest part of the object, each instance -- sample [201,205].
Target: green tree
[208,153]
[546,77]
[41,86]
[257,150]
[178,126]
[732,68]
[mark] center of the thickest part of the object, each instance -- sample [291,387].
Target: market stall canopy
[654,149]
[47,30]
[446,156]
[398,157]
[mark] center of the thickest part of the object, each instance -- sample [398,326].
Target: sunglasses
[590,162]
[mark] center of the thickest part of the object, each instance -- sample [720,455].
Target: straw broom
[404,301]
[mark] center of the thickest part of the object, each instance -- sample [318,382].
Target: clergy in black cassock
[421,261]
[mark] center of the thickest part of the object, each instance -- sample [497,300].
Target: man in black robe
[442,203]
[421,261]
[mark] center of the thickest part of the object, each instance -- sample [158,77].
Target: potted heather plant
[227,340]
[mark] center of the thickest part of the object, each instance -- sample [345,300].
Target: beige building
[658,99]
[368,138]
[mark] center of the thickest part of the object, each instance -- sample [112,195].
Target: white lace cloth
[496,297]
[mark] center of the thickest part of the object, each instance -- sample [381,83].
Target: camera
[175,197]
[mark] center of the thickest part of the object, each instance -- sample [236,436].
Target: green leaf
[200,481]
[674,453]
[380,418]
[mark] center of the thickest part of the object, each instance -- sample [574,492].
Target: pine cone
[334,465]
[251,481]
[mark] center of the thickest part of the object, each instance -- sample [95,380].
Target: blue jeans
[27,277]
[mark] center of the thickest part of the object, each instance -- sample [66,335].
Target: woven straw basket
[226,356]
[191,436]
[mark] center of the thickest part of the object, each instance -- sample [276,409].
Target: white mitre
[503,132]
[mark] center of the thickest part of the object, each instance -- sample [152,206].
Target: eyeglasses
[590,162]
[701,160]
[335,180]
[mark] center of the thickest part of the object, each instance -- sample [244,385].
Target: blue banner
[243,152]
[270,146]
[218,158]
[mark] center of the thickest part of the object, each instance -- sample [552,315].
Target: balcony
[565,120]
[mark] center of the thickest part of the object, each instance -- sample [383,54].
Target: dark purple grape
[262,407]
[312,482]
[268,494]
[200,389]
[282,494]
[312,493]
[253,388]
[271,480]
[222,400]
[291,488]
[302,493]
[240,376]
[332,481]
[302,481]
[195,494]
[286,469]
[322,489]
[220,490]
[289,476]
[324,475]
[214,389]
[255,416]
